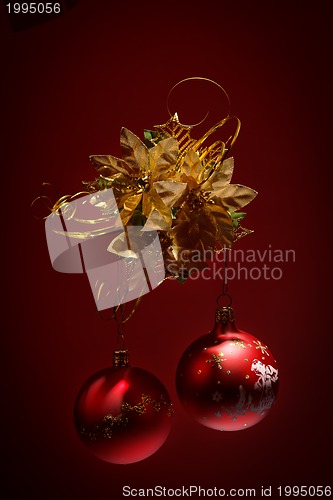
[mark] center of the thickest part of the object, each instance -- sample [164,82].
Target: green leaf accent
[181,280]
[174,212]
[101,183]
[149,135]
[236,217]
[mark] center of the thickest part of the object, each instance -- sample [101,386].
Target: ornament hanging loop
[219,300]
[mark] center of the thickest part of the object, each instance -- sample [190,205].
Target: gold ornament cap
[224,315]
[120,358]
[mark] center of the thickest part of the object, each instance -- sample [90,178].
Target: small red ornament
[227,380]
[123,414]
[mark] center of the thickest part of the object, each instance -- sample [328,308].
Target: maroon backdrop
[68,86]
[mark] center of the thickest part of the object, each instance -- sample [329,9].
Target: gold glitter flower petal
[156,222]
[233,196]
[152,201]
[119,246]
[130,204]
[224,224]
[163,158]
[192,168]
[196,230]
[221,177]
[171,192]
[134,152]
[108,165]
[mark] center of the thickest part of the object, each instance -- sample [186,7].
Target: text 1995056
[33,8]
[302,491]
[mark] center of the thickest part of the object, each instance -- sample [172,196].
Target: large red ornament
[227,380]
[123,414]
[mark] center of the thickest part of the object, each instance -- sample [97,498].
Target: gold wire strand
[202,79]
[217,126]
[54,206]
[115,311]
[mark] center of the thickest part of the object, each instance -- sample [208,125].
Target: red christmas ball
[227,380]
[123,414]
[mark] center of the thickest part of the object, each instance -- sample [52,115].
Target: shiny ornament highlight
[123,414]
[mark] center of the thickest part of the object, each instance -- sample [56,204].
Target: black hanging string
[225,287]
[119,318]
[225,273]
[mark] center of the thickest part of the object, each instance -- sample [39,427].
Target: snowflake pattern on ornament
[217,360]
[263,348]
[217,396]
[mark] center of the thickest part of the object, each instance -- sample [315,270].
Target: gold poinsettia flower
[216,185]
[143,180]
[230,196]
[204,219]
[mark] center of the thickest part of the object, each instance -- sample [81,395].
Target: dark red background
[68,86]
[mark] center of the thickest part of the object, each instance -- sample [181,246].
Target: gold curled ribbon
[51,205]
[229,142]
[216,152]
[196,78]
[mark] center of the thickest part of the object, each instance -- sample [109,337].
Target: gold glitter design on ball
[105,428]
[239,343]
